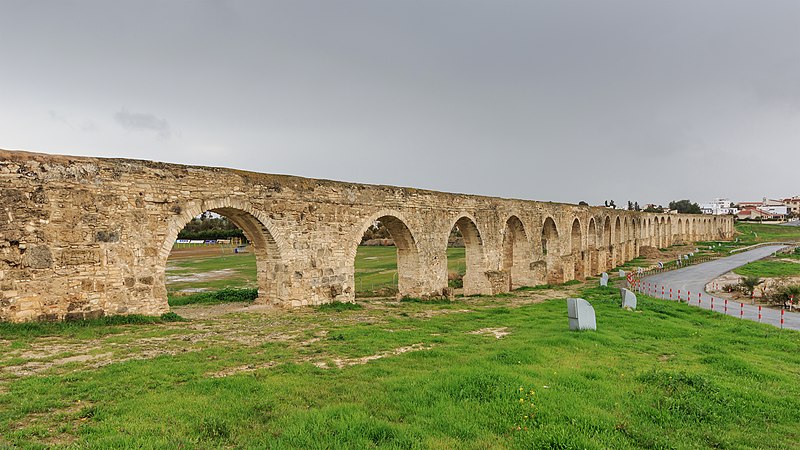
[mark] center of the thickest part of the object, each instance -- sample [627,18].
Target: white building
[771,206]
[719,207]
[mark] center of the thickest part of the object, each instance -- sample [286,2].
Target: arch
[516,253]
[625,245]
[551,250]
[408,261]
[576,244]
[617,242]
[608,263]
[662,233]
[268,246]
[679,232]
[634,238]
[592,239]
[670,235]
[475,275]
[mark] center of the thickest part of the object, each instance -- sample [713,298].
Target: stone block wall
[86,237]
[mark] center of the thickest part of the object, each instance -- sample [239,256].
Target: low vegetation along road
[693,280]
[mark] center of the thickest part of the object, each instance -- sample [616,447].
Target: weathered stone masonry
[85,237]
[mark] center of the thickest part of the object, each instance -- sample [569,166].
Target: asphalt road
[693,280]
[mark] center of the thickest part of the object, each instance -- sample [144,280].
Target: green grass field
[667,376]
[754,233]
[769,269]
[240,272]
[375,273]
[376,267]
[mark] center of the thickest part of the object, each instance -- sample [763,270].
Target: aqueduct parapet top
[83,237]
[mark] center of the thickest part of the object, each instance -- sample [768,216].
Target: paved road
[693,280]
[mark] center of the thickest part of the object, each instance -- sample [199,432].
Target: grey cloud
[550,100]
[143,122]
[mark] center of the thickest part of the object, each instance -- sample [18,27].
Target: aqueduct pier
[85,237]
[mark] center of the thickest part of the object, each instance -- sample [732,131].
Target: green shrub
[338,306]
[221,296]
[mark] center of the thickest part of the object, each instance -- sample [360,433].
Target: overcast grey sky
[550,100]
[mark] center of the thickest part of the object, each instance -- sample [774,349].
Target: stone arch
[268,246]
[592,239]
[576,245]
[475,277]
[408,260]
[617,242]
[670,232]
[551,249]
[609,246]
[679,232]
[662,233]
[517,253]
[634,238]
[625,250]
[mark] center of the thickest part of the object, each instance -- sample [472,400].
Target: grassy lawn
[669,376]
[376,267]
[753,233]
[235,271]
[769,269]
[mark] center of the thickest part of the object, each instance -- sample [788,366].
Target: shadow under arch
[618,243]
[592,239]
[268,247]
[609,246]
[576,244]
[408,262]
[474,279]
[517,253]
[624,250]
[551,249]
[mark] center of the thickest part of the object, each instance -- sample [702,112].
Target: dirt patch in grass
[498,333]
[242,369]
[202,276]
[219,309]
[340,363]
[244,324]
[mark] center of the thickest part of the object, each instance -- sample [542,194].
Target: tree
[582,203]
[630,205]
[636,206]
[654,209]
[749,283]
[611,204]
[685,207]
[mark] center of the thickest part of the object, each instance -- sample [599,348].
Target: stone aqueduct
[85,237]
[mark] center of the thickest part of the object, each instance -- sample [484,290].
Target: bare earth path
[693,279]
